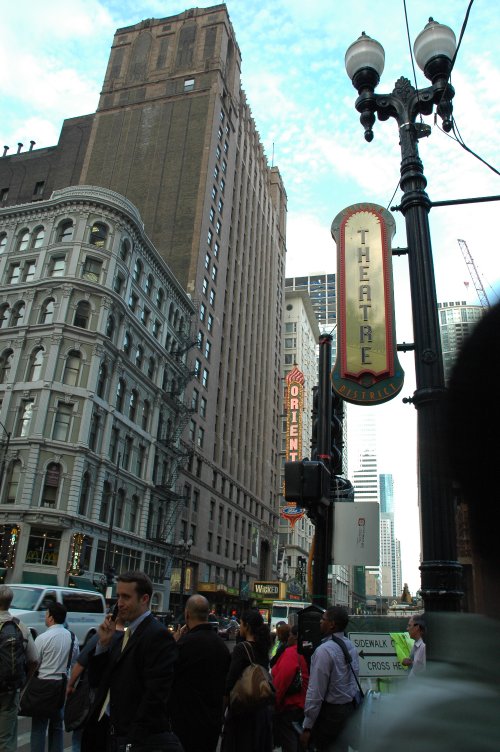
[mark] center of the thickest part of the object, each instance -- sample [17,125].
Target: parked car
[229,629]
[86,608]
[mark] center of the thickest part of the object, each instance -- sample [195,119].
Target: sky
[52,63]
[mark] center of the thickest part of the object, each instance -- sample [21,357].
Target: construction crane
[481,293]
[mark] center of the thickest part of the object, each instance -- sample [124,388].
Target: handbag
[296,683]
[253,689]
[78,704]
[41,698]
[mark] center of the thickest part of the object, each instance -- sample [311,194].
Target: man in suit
[196,702]
[133,676]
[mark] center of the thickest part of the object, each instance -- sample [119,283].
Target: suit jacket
[139,680]
[196,701]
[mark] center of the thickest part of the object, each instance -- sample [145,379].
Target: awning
[81,582]
[39,578]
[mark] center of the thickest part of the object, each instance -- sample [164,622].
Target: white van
[86,609]
[285,611]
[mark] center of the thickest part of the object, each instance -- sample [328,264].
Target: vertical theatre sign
[294,404]
[367,370]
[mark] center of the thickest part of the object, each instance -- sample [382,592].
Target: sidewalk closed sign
[377,654]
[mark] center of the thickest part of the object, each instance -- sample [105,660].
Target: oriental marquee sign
[294,405]
[367,370]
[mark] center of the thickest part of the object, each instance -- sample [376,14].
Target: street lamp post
[4,444]
[434,50]
[240,568]
[184,547]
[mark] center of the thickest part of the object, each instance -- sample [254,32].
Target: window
[212,214]
[203,311]
[203,407]
[151,367]
[139,356]
[218,227]
[82,315]
[38,237]
[210,322]
[216,172]
[14,274]
[72,368]
[120,505]
[146,313]
[62,422]
[124,249]
[204,286]
[204,379]
[212,297]
[43,546]
[133,302]
[120,395]
[38,189]
[127,343]
[65,231]
[134,513]
[23,240]
[199,339]
[214,192]
[4,195]
[192,430]
[188,84]
[214,273]
[92,269]
[94,431]
[156,328]
[110,327]
[114,443]
[145,415]
[127,452]
[201,436]
[84,494]
[25,416]
[17,315]
[148,286]
[105,502]
[160,298]
[118,284]
[29,271]
[216,249]
[47,311]
[208,347]
[220,206]
[137,271]
[98,235]
[3,241]
[13,478]
[224,169]
[197,368]
[194,400]
[57,266]
[210,236]
[132,404]
[226,147]
[139,463]
[5,365]
[35,365]
[218,151]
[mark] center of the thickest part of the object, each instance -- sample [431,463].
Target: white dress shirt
[53,648]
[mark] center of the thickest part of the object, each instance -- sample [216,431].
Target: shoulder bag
[41,697]
[254,687]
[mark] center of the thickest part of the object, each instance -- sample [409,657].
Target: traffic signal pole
[324,520]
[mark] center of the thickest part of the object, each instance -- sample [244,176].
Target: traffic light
[337,443]
[315,422]
[308,483]
[110,575]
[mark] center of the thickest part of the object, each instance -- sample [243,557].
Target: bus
[284,611]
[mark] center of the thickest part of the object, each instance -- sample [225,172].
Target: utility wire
[411,57]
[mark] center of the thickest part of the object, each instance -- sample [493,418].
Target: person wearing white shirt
[53,646]
[416,661]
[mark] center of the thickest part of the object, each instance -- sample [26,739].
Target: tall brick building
[174,134]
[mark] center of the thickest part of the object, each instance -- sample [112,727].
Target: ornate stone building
[93,336]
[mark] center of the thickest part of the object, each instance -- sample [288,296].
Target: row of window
[14,316]
[71,372]
[26,239]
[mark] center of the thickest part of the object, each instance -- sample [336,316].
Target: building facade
[174,134]
[456,321]
[93,333]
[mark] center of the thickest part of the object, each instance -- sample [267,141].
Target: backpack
[12,656]
[253,689]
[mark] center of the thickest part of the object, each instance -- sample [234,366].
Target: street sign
[377,654]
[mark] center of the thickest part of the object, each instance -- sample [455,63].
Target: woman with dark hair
[250,731]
